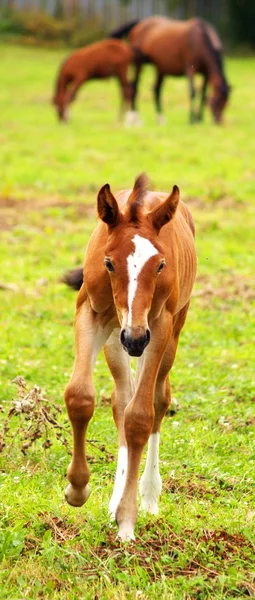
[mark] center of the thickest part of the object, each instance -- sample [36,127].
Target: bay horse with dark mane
[108,58]
[135,290]
[179,48]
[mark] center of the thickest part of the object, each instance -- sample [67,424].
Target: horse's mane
[120,32]
[213,43]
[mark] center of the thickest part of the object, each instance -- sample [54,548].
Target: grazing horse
[139,270]
[108,58]
[180,48]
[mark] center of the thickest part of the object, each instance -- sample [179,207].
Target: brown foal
[107,58]
[139,271]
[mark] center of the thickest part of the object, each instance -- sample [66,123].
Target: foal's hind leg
[119,365]
[132,117]
[79,398]
[151,482]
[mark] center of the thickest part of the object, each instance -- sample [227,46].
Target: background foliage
[79,22]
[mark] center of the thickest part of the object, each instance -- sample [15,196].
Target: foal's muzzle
[134,345]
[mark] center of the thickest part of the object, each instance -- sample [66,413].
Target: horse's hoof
[76,497]
[132,118]
[150,505]
[126,532]
[161,119]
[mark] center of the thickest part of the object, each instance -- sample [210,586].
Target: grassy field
[202,544]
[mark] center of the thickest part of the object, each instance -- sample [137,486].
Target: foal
[139,270]
[108,58]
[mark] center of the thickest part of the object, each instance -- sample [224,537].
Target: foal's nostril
[134,345]
[123,336]
[147,336]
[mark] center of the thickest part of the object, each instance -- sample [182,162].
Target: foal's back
[101,59]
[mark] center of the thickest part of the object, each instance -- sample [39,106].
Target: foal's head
[59,99]
[134,258]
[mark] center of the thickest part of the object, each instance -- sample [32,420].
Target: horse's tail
[122,31]
[73,278]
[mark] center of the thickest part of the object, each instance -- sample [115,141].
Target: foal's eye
[108,265]
[161,266]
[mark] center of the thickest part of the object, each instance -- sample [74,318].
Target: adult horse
[180,48]
[139,270]
[108,58]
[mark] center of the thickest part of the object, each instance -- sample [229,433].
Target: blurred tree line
[79,22]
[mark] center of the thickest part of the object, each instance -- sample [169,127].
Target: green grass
[200,546]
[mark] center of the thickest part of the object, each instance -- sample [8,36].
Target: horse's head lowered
[134,258]
[219,99]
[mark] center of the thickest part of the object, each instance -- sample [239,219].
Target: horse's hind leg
[79,398]
[200,115]
[119,365]
[151,482]
[157,95]
[192,95]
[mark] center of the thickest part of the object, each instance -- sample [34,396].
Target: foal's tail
[73,278]
[122,31]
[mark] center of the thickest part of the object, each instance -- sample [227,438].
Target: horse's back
[165,43]
[174,46]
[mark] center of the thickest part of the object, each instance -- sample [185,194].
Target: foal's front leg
[119,364]
[138,423]
[90,335]
[151,482]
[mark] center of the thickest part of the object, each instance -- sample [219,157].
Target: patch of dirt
[13,211]
[189,487]
[232,286]
[62,531]
[154,555]
[207,205]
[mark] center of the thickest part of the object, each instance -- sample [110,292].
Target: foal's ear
[107,207]
[163,213]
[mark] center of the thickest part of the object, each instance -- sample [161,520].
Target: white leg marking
[132,118]
[144,249]
[126,532]
[120,480]
[161,119]
[151,482]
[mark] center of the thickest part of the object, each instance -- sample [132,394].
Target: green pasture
[201,546]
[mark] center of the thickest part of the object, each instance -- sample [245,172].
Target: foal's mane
[136,198]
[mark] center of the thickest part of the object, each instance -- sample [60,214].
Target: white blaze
[144,250]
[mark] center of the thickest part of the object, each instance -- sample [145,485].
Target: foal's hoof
[76,497]
[126,532]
